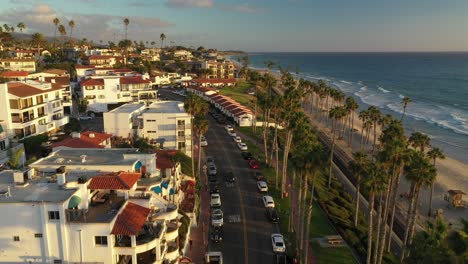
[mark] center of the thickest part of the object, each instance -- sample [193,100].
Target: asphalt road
[246,230]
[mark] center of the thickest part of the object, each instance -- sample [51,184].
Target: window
[54,215]
[151,131]
[100,240]
[90,97]
[38,235]
[100,87]
[14,104]
[16,238]
[150,120]
[2,145]
[102,96]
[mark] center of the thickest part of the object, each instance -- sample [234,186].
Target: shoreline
[450,171]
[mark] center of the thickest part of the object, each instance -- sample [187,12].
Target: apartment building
[9,147]
[31,108]
[152,54]
[79,217]
[103,60]
[18,64]
[163,123]
[102,91]
[220,69]
[182,54]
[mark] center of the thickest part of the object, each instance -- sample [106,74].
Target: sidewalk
[199,234]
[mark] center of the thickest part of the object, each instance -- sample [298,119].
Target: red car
[253,164]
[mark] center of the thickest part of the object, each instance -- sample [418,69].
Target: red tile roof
[14,74]
[56,71]
[91,81]
[85,140]
[164,158]
[102,57]
[133,80]
[131,220]
[61,80]
[114,181]
[18,59]
[95,137]
[24,90]
[122,70]
[84,66]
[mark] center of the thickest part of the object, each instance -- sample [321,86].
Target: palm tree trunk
[331,154]
[362,136]
[414,214]
[356,199]
[383,228]
[429,213]
[375,136]
[408,221]
[291,201]
[303,205]
[289,136]
[192,150]
[370,227]
[299,216]
[351,130]
[396,184]
[276,164]
[309,218]
[377,229]
[199,155]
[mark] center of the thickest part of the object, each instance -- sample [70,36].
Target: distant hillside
[25,36]
[232,52]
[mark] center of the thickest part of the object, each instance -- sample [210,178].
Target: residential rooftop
[166,107]
[128,108]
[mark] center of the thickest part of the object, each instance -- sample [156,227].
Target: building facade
[31,108]
[18,64]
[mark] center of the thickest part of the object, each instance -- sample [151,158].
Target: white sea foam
[401,96]
[382,89]
[346,82]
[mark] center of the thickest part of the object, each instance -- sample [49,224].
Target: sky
[257,25]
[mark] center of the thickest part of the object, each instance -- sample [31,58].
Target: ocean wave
[382,89]
[364,88]
[401,96]
[346,82]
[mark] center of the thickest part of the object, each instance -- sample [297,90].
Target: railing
[183,127]
[181,138]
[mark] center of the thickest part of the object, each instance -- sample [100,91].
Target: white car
[268,201]
[277,241]
[84,117]
[228,128]
[242,146]
[217,217]
[215,200]
[262,186]
[237,139]
[232,133]
[203,141]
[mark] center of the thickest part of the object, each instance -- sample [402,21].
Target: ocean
[437,83]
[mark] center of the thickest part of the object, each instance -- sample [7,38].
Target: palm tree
[336,113]
[434,154]
[21,26]
[358,167]
[374,116]
[352,106]
[126,22]
[162,37]
[71,24]
[37,39]
[377,170]
[152,43]
[56,22]
[363,116]
[6,27]
[420,172]
[406,101]
[200,125]
[372,183]
[419,140]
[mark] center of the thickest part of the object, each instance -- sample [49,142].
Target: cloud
[242,8]
[92,26]
[190,3]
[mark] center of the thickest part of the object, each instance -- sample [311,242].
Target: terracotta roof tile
[56,71]
[131,220]
[133,80]
[14,74]
[114,181]
[24,90]
[76,143]
[164,158]
[91,81]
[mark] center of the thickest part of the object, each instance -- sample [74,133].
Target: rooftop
[128,108]
[114,181]
[131,220]
[85,156]
[166,107]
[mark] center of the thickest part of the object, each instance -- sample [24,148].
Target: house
[18,64]
[31,108]
[220,69]
[50,73]
[182,54]
[107,60]
[84,217]
[102,91]
[87,139]
[163,123]
[15,75]
[215,82]
[63,82]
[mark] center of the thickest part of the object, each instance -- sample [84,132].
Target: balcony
[172,231]
[102,211]
[149,238]
[172,251]
[170,213]
[61,121]
[183,127]
[181,138]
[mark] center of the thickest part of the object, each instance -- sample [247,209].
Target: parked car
[259,176]
[229,128]
[221,121]
[268,201]
[272,215]
[217,234]
[237,139]
[242,146]
[215,200]
[230,177]
[217,217]
[84,117]
[214,187]
[247,155]
[203,141]
[210,161]
[212,170]
[262,186]
[253,164]
[232,133]
[213,180]
[277,241]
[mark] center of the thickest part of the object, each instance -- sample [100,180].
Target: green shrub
[32,145]
[183,229]
[340,213]
[72,126]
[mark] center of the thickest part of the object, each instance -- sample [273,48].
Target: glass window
[100,240]
[54,215]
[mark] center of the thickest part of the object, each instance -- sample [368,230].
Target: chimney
[18,177]
[91,135]
[61,179]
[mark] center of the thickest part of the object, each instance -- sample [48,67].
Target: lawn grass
[239,93]
[332,255]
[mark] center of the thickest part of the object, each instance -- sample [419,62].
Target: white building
[18,64]
[101,91]
[183,54]
[70,217]
[31,108]
[163,123]
[9,147]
